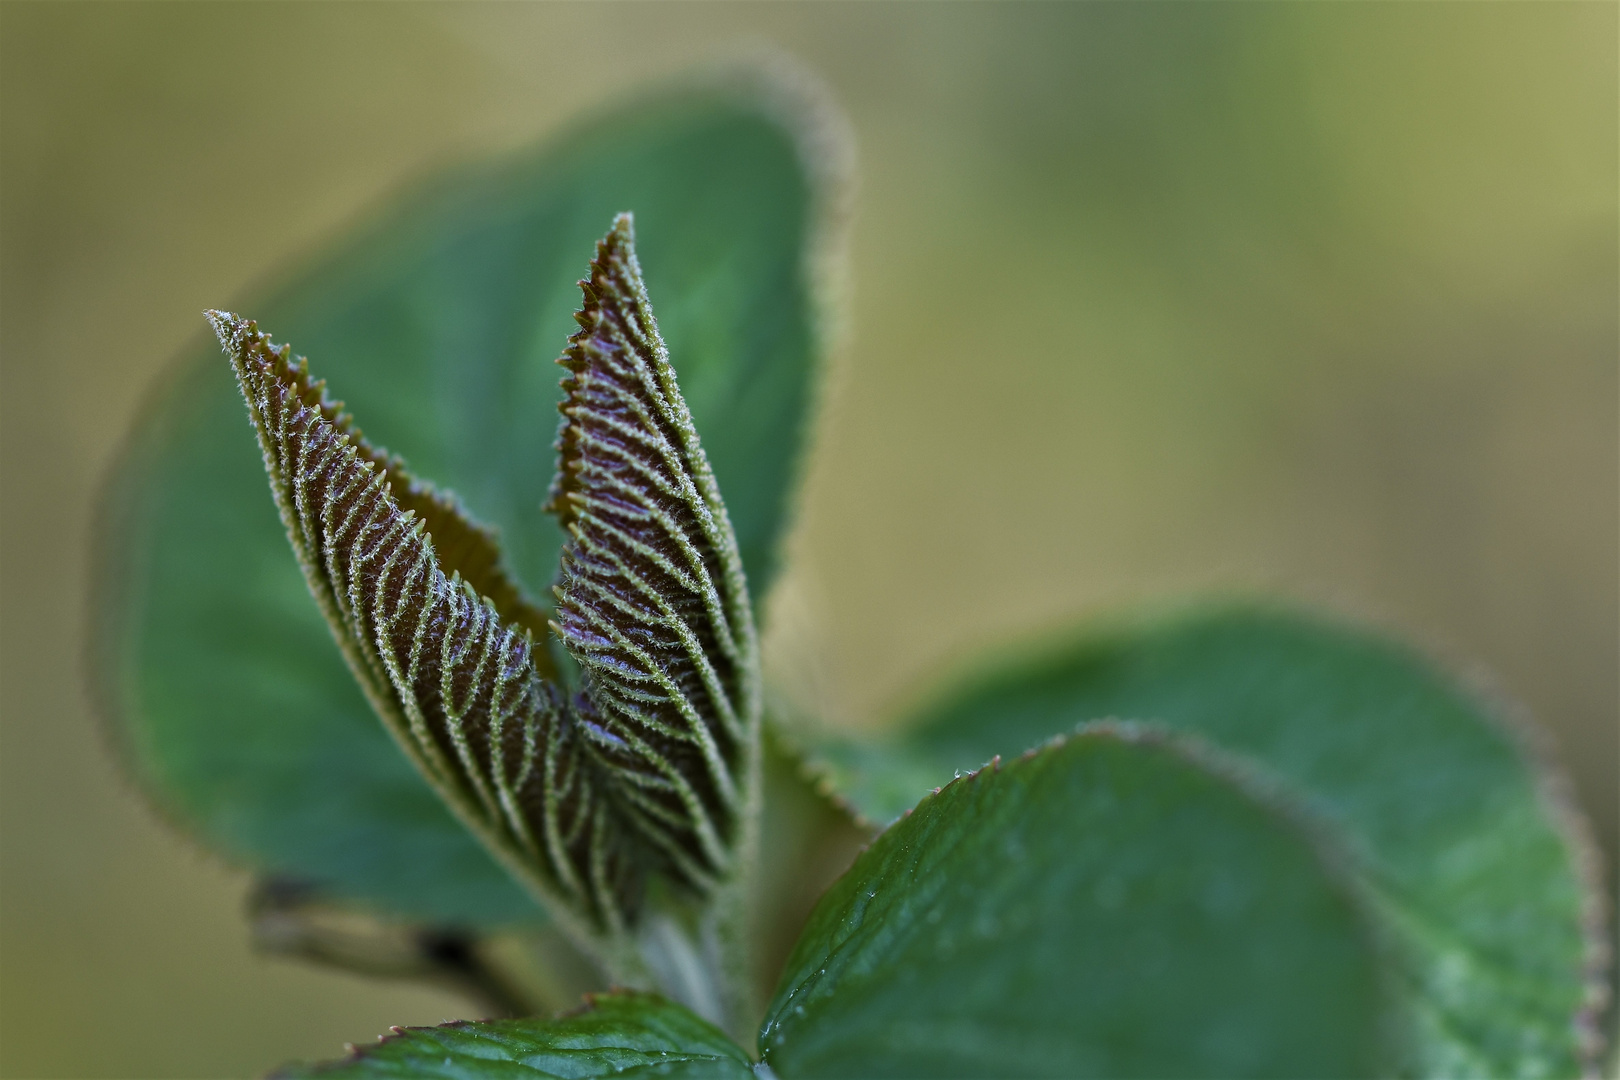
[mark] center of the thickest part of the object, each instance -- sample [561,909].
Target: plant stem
[287,919]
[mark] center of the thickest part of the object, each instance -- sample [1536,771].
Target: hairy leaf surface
[439,320]
[620,1034]
[653,602]
[648,764]
[456,685]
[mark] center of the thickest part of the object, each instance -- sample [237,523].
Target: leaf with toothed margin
[652,603]
[459,687]
[1481,871]
[1119,903]
[619,1034]
[651,764]
[439,317]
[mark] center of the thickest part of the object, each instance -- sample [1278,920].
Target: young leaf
[653,602]
[619,1034]
[1117,904]
[1479,871]
[439,319]
[655,753]
[456,686]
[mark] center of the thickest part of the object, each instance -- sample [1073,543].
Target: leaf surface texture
[1479,872]
[439,321]
[645,766]
[1117,904]
[653,601]
[456,686]
[625,1035]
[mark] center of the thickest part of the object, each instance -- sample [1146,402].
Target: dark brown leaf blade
[463,546]
[456,685]
[652,764]
[653,602]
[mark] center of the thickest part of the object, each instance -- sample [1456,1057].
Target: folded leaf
[619,1034]
[653,602]
[1117,904]
[456,686]
[1480,872]
[652,763]
[465,547]
[440,319]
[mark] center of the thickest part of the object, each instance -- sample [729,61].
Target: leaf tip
[229,327]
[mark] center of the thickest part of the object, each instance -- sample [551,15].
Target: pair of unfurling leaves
[646,766]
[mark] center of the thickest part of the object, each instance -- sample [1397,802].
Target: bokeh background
[1315,300]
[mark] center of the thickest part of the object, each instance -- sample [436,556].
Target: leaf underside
[642,767]
[439,318]
[652,603]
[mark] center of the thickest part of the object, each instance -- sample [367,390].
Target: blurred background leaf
[1314,299]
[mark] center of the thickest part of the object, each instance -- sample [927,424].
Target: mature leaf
[440,321]
[1451,824]
[1117,904]
[623,1035]
[653,602]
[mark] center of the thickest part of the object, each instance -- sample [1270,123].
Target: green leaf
[440,322]
[1119,904]
[807,841]
[1478,872]
[625,1035]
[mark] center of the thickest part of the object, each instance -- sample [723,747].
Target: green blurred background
[1318,300]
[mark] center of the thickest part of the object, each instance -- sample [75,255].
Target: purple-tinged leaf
[653,602]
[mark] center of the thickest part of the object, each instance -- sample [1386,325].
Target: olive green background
[1316,300]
